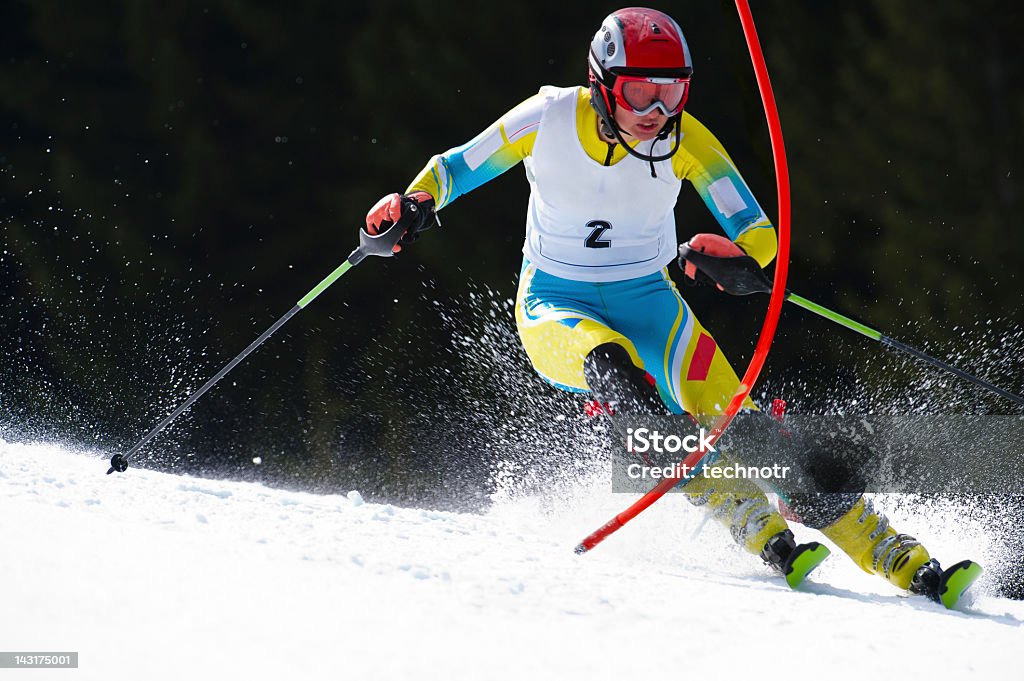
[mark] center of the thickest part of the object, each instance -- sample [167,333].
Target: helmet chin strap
[609,126]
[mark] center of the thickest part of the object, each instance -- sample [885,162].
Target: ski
[802,562]
[793,561]
[945,586]
[956,580]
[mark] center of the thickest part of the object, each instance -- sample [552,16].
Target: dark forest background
[174,176]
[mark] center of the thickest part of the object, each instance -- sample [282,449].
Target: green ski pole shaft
[902,347]
[381,245]
[834,316]
[119,462]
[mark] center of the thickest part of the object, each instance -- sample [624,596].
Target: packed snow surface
[156,576]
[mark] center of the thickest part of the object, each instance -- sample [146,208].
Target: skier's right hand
[412,213]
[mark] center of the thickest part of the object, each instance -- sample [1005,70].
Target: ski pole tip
[118,463]
[580,549]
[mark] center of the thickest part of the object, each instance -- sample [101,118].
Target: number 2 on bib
[594,239]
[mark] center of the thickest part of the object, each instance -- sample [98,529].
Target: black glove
[412,213]
[713,259]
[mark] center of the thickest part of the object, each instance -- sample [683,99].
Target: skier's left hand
[713,259]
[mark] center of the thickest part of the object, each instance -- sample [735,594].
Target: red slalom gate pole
[778,296]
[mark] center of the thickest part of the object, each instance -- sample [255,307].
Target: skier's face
[643,128]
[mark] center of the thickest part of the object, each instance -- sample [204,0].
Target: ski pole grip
[736,275]
[383,244]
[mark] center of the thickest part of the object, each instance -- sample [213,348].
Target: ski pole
[369,244]
[897,345]
[743,276]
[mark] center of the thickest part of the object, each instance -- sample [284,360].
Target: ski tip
[809,557]
[956,580]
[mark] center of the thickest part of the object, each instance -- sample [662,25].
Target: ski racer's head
[640,66]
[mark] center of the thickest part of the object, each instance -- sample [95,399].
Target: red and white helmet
[639,60]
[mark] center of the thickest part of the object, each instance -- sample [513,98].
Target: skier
[596,308]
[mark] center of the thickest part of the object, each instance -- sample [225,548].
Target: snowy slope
[156,576]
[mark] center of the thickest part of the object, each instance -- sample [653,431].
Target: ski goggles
[644,94]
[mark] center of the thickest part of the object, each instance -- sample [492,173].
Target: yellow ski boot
[865,536]
[742,507]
